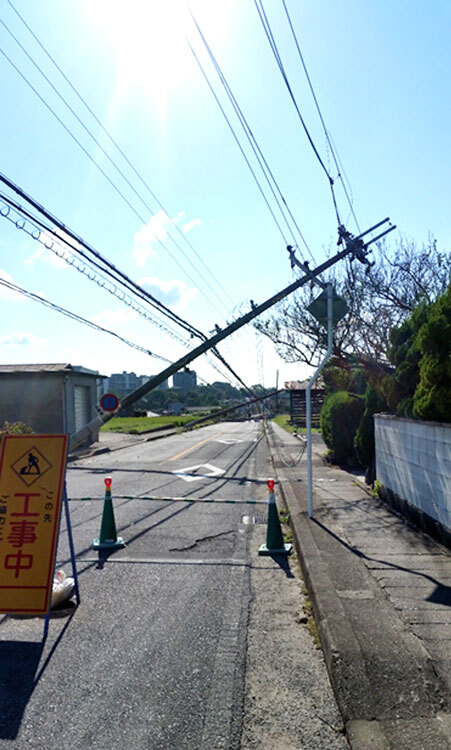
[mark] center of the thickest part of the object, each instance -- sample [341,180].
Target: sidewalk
[381,592]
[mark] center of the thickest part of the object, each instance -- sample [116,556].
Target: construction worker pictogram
[31,466]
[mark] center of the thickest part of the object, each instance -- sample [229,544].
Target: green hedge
[340,417]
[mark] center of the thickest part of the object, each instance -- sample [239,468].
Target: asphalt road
[155,655]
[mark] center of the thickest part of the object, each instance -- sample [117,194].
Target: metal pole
[308,403]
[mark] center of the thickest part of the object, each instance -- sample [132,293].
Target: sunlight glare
[148,42]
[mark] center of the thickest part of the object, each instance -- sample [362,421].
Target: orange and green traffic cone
[108,538]
[274,537]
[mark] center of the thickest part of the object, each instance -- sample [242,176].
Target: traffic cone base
[108,543]
[287,549]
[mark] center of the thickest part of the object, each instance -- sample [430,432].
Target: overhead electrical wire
[277,223]
[79,319]
[106,284]
[51,231]
[109,268]
[130,285]
[329,140]
[56,247]
[272,43]
[96,163]
[262,161]
[73,316]
[119,149]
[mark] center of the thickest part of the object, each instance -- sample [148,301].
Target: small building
[53,398]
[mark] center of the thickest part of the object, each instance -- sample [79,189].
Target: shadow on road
[19,662]
[284,563]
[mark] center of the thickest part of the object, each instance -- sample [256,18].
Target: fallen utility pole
[221,412]
[79,437]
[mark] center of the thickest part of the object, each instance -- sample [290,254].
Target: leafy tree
[420,350]
[432,399]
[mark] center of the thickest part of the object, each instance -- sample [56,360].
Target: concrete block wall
[413,462]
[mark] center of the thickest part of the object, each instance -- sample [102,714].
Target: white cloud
[191,224]
[21,338]
[156,229]
[112,318]
[174,294]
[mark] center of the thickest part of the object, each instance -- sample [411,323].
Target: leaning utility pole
[354,246]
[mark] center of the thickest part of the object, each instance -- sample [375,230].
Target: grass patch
[283,420]
[137,425]
[311,622]
[284,515]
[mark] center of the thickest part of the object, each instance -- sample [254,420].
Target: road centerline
[197,445]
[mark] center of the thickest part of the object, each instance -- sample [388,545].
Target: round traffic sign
[109,402]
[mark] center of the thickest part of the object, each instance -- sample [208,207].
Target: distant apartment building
[124,382]
[163,386]
[185,380]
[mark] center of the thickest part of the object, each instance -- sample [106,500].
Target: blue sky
[381,74]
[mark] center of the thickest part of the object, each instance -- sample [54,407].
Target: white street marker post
[308,401]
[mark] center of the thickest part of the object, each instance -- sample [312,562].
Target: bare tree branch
[379,299]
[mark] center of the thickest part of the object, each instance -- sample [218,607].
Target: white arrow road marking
[189,476]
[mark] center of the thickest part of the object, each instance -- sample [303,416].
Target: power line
[51,231]
[95,276]
[79,319]
[332,147]
[267,172]
[272,43]
[96,164]
[74,316]
[239,145]
[119,277]
[116,145]
[107,266]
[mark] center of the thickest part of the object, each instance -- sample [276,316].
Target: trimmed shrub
[364,442]
[340,417]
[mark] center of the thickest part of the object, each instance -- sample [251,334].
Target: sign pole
[71,543]
[330,325]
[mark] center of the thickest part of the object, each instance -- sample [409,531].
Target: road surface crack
[201,539]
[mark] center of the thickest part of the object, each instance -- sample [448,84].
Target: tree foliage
[420,349]
[379,299]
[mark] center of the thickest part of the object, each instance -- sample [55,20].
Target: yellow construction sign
[32,471]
